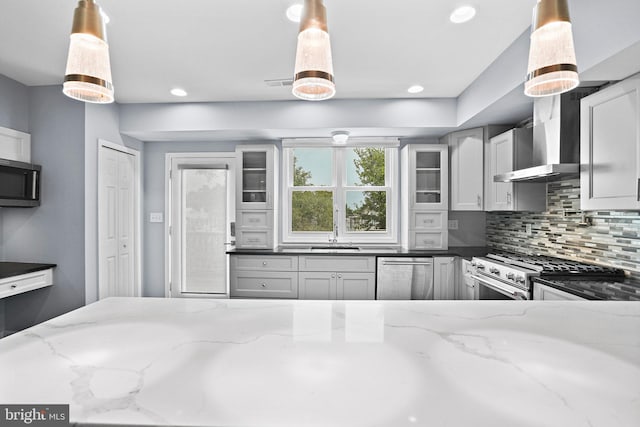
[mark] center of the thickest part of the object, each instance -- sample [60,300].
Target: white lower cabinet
[466,286]
[335,277]
[14,285]
[444,278]
[256,276]
[547,293]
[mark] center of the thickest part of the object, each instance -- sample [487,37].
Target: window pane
[312,211]
[204,215]
[312,167]
[366,211]
[365,166]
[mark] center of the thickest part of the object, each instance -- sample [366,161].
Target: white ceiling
[223,50]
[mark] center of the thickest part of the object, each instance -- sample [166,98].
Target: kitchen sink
[335,248]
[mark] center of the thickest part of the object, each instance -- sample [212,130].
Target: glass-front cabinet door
[430,171]
[256,178]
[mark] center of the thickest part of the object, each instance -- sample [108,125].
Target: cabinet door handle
[508,198]
[638,190]
[479,200]
[14,286]
[339,276]
[333,276]
[264,285]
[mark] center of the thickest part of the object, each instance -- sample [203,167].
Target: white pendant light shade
[313,74]
[552,60]
[88,73]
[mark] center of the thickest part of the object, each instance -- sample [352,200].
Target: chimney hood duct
[556,139]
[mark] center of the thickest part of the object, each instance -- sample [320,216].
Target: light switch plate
[453,224]
[156,217]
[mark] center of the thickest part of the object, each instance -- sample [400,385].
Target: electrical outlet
[527,229]
[453,224]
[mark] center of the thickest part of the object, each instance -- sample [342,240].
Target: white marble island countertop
[150,361]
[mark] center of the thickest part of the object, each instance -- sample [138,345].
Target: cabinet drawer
[25,282]
[264,263]
[338,263]
[267,284]
[254,219]
[429,239]
[259,239]
[428,220]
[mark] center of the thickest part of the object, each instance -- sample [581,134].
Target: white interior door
[202,209]
[116,223]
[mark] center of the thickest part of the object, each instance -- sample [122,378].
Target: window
[340,193]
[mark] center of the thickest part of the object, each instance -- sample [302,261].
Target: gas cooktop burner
[548,266]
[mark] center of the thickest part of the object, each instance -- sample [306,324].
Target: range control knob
[520,279]
[495,271]
[480,266]
[511,276]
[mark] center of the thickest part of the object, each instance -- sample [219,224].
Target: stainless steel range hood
[556,139]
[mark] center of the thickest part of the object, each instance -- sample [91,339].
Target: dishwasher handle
[407,262]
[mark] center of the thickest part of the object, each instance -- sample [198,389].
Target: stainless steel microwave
[19,184]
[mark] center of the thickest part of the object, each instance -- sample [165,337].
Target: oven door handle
[484,282]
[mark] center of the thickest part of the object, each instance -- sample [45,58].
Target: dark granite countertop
[461,251]
[10,269]
[596,289]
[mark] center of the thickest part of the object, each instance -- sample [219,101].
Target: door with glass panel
[202,210]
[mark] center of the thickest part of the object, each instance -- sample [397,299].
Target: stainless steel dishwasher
[404,278]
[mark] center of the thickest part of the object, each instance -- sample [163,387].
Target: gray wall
[101,122]
[54,231]
[14,114]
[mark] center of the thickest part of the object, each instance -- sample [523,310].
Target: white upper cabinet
[467,170]
[509,151]
[610,147]
[256,196]
[428,176]
[256,173]
[15,145]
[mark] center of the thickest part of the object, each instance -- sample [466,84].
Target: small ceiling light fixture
[340,136]
[294,12]
[552,59]
[88,74]
[313,73]
[462,14]
[415,89]
[176,91]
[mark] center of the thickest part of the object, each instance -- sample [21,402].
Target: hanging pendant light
[313,79]
[552,59]
[88,74]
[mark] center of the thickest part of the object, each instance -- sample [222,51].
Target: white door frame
[228,156]
[137,232]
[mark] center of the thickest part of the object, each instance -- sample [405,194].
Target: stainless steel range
[509,276]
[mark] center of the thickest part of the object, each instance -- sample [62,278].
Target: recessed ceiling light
[176,91]
[294,12]
[415,89]
[462,14]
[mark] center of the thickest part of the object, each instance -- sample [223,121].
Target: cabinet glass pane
[254,160]
[365,166]
[313,167]
[312,211]
[425,197]
[366,211]
[204,217]
[428,160]
[428,180]
[254,186]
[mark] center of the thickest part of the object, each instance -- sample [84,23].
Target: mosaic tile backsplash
[610,238]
